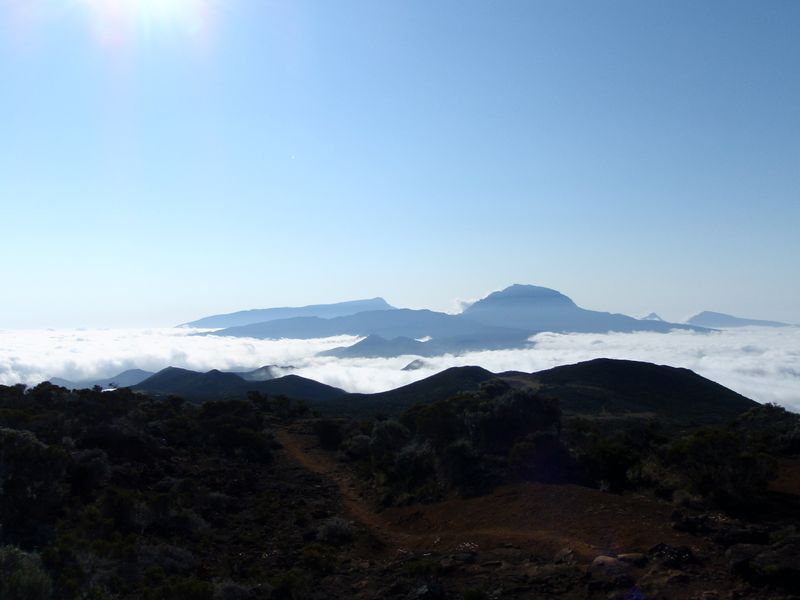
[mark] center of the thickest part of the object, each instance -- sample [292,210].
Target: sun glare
[120,20]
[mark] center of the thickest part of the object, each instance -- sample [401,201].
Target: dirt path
[536,517]
[304,449]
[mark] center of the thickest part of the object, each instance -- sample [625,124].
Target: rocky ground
[528,541]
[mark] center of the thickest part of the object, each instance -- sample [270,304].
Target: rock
[493,564]
[430,590]
[674,557]
[741,535]
[740,555]
[637,559]
[656,581]
[779,564]
[607,573]
[565,556]
[447,565]
[607,564]
[464,557]
[696,525]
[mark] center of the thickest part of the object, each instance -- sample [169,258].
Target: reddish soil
[539,518]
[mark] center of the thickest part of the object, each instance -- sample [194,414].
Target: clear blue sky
[636,155]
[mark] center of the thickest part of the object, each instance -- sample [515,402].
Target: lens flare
[120,21]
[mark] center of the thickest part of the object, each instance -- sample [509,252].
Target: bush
[31,476]
[318,557]
[336,532]
[329,432]
[721,466]
[542,457]
[23,577]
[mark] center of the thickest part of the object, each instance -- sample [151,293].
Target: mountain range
[717,320]
[124,379]
[214,384]
[600,386]
[503,320]
[262,315]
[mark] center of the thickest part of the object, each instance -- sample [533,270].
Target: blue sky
[636,155]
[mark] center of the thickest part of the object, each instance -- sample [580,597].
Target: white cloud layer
[761,363]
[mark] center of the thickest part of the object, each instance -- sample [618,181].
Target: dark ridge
[195,386]
[626,386]
[436,387]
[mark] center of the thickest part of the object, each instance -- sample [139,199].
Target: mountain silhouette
[675,396]
[723,321]
[215,384]
[503,320]
[388,324]
[652,317]
[537,309]
[124,379]
[261,315]
[374,346]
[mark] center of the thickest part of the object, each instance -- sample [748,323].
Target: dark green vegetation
[115,495]
[123,495]
[677,397]
[475,440]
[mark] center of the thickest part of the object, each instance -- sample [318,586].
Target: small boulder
[636,559]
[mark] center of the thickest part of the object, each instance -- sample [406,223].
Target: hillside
[436,387]
[626,386]
[124,379]
[601,386]
[214,384]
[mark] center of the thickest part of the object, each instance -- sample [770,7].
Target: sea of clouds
[761,363]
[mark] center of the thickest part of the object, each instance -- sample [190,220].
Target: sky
[162,160]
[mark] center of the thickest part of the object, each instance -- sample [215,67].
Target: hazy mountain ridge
[261,315]
[214,384]
[718,320]
[124,379]
[504,319]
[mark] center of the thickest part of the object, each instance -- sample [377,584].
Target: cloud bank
[761,363]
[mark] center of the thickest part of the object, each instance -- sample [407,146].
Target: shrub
[721,466]
[329,432]
[318,557]
[336,532]
[542,457]
[23,577]
[31,476]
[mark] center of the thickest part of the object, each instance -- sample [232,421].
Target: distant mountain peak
[709,318]
[527,291]
[261,315]
[652,317]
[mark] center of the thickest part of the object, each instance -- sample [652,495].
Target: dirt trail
[537,517]
[304,449]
